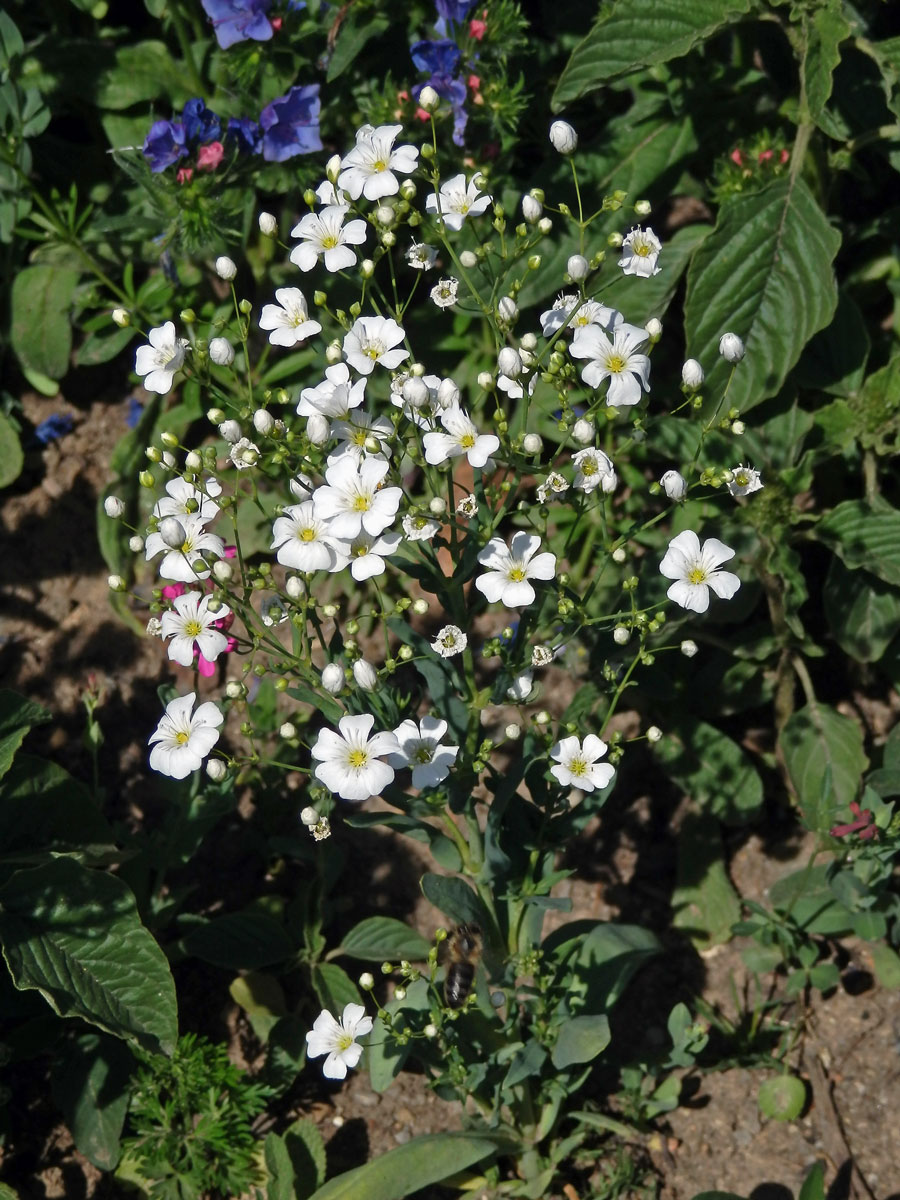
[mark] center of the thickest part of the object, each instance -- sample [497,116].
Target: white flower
[419,397]
[159,361]
[692,374]
[288,320]
[515,388]
[221,352]
[244,454]
[731,347]
[674,484]
[429,99]
[521,687]
[349,762]
[509,362]
[354,500]
[449,641]
[421,256]
[510,568]
[542,656]
[457,200]
[301,539]
[444,292]
[462,437]
[695,570]
[420,749]
[578,765]
[587,312]
[226,268]
[362,435]
[191,623]
[183,740]
[337,1039]
[468,507]
[188,562]
[325,234]
[618,360]
[368,170]
[418,528]
[563,137]
[370,341]
[594,469]
[746,480]
[641,250]
[335,396]
[554,485]
[364,553]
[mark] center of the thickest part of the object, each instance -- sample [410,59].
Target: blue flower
[53,428]
[239,20]
[439,58]
[442,58]
[164,145]
[134,413]
[453,10]
[200,123]
[246,134]
[291,124]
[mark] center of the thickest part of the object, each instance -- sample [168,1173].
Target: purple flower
[438,58]
[452,10]
[244,133]
[442,58]
[291,124]
[200,123]
[134,412]
[239,20]
[164,145]
[53,428]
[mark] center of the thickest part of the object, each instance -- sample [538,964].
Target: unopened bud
[531,209]
[268,226]
[263,422]
[309,815]
[216,770]
[317,429]
[577,267]
[563,137]
[122,317]
[507,310]
[731,347]
[674,484]
[429,99]
[509,362]
[365,675]
[116,583]
[333,679]
[692,375]
[654,733]
[226,268]
[223,571]
[172,532]
[287,731]
[583,431]
[532,443]
[230,431]
[113,507]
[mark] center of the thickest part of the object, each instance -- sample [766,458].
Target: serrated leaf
[378,938]
[91,1088]
[11,457]
[420,1163]
[824,756]
[864,536]
[580,1040]
[764,273]
[638,34]
[826,29]
[863,612]
[74,935]
[704,903]
[17,715]
[41,333]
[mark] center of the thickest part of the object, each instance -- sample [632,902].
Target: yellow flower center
[615,364]
[307,535]
[362,504]
[697,574]
[578,767]
[361,551]
[641,248]
[181,737]
[357,759]
[379,165]
[359,438]
[371,352]
[193,628]
[329,242]
[422,755]
[589,466]
[344,1042]
[467,441]
[516,574]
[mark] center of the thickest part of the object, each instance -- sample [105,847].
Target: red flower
[184,174]
[209,156]
[862,825]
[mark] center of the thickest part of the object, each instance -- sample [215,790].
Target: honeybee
[462,953]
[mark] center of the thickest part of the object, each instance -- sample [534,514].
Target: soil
[60,638]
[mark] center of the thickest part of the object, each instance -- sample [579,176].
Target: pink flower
[477,29]
[862,825]
[474,82]
[765,155]
[209,156]
[736,157]
[185,174]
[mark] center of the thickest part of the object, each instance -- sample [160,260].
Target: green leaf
[826,30]
[782,1098]
[824,756]
[455,898]
[11,456]
[17,716]
[352,41]
[704,902]
[330,709]
[295,1161]
[141,73]
[599,960]
[378,938]
[580,1040]
[249,939]
[91,1088]
[262,999]
[835,360]
[865,536]
[101,347]
[638,34]
[419,1164]
[11,43]
[43,810]
[814,1184]
[863,611]
[765,273]
[712,769]
[886,965]
[334,987]
[41,333]
[74,935]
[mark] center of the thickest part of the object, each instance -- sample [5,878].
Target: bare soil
[59,638]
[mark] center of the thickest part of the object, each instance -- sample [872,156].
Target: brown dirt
[59,634]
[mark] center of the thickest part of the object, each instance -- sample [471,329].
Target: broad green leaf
[17,715]
[91,1088]
[262,999]
[11,43]
[887,55]
[378,938]
[41,333]
[824,756]
[863,612]
[295,1162]
[141,73]
[384,1058]
[11,456]
[455,898]
[864,536]
[886,965]
[74,935]
[580,1040]
[43,810]
[280,1184]
[599,960]
[765,273]
[334,987]
[638,34]
[101,347]
[248,939]
[704,903]
[419,1164]
[782,1098]
[826,29]
[712,769]
[330,709]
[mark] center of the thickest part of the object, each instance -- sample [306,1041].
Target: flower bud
[689,648]
[333,680]
[172,532]
[146,480]
[309,816]
[116,583]
[509,362]
[135,543]
[365,675]
[268,226]
[295,587]
[415,392]
[113,507]
[263,422]
[448,394]
[192,461]
[317,429]
[429,99]
[215,416]
[226,268]
[407,190]
[654,329]
[230,431]
[532,443]
[563,137]
[430,1030]
[692,375]
[216,770]
[221,352]
[737,428]
[545,225]
[531,209]
[619,555]
[420,606]
[333,168]
[367,981]
[437,505]
[674,484]
[621,635]
[583,431]
[577,267]
[367,268]
[287,731]
[507,310]
[223,571]
[122,317]
[384,215]
[642,208]
[468,259]
[333,353]
[731,347]
[654,733]
[485,380]
[513,731]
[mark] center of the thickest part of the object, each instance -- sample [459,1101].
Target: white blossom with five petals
[511,567]
[349,762]
[696,572]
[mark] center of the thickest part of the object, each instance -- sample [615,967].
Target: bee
[462,953]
